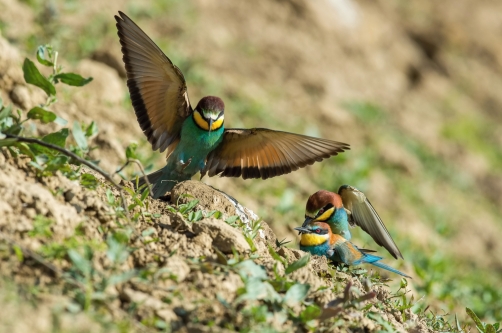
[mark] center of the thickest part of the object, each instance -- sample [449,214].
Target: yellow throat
[203,123]
[312,239]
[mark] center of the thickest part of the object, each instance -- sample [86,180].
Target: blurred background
[415,87]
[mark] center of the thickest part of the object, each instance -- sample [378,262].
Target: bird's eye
[318,231]
[321,211]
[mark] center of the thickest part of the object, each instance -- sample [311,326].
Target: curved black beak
[302,230]
[210,124]
[305,223]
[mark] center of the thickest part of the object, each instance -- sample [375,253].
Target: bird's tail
[152,178]
[393,270]
[158,182]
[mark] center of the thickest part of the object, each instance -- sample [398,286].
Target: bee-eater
[318,239]
[346,208]
[196,139]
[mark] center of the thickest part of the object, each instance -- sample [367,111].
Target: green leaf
[256,289]
[33,76]
[197,216]
[110,197]
[476,320]
[249,269]
[489,328]
[459,328]
[232,219]
[6,112]
[117,250]
[185,208]
[191,216]
[89,181]
[19,253]
[91,130]
[7,142]
[311,312]
[250,242]
[214,213]
[15,129]
[81,263]
[72,79]
[57,163]
[302,262]
[121,236]
[61,121]
[122,277]
[25,149]
[41,56]
[147,232]
[79,136]
[296,294]
[57,138]
[276,256]
[41,114]
[131,151]
[145,194]
[41,227]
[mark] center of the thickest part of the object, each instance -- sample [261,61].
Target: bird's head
[209,113]
[314,233]
[321,206]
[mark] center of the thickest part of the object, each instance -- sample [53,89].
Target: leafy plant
[46,152]
[483,327]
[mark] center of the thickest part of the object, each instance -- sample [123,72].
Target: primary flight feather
[195,139]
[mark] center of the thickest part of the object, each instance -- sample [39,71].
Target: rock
[267,234]
[224,236]
[131,295]
[106,85]
[166,315]
[210,199]
[27,97]
[111,57]
[178,267]
[204,240]
[199,328]
[179,224]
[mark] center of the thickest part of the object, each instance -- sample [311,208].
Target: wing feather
[264,153]
[157,87]
[362,213]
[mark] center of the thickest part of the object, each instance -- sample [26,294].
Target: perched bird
[349,207]
[318,239]
[196,139]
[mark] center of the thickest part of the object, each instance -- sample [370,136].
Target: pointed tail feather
[366,250]
[162,186]
[393,270]
[159,186]
[152,178]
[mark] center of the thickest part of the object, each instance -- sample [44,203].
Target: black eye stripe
[320,231]
[324,209]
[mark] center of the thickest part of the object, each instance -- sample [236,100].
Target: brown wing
[157,87]
[263,153]
[362,213]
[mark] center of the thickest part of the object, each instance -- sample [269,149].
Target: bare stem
[79,159]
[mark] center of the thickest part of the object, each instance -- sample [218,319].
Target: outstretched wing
[264,153]
[157,87]
[362,213]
